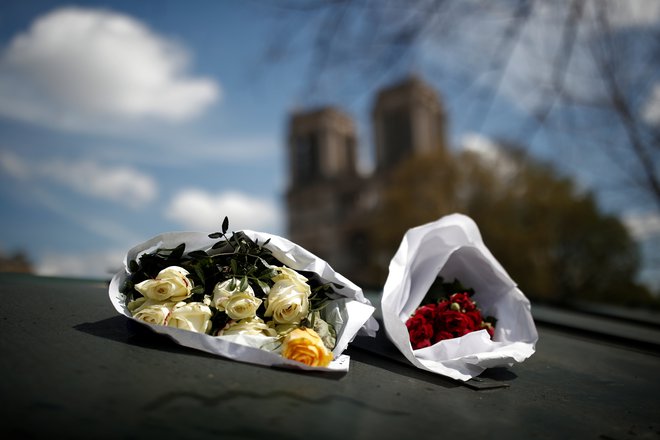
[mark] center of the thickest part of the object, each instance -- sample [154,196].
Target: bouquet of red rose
[437,325]
[447,318]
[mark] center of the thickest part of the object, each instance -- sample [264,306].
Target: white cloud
[481,145]
[490,154]
[101,265]
[643,225]
[631,13]
[75,68]
[651,110]
[199,210]
[13,165]
[239,149]
[121,184]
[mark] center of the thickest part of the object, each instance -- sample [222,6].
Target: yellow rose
[171,284]
[238,304]
[288,298]
[304,345]
[194,316]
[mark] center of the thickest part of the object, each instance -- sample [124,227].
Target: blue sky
[120,120]
[84,179]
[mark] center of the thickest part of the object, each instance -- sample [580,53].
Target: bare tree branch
[374,40]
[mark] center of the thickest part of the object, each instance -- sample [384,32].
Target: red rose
[442,306]
[428,311]
[454,322]
[420,329]
[446,319]
[464,301]
[441,336]
[476,320]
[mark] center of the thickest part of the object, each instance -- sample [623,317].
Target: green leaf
[216,235]
[177,253]
[263,285]
[225,225]
[133,266]
[244,284]
[127,286]
[200,273]
[198,254]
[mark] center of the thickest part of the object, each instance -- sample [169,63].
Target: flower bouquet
[442,326]
[249,296]
[447,311]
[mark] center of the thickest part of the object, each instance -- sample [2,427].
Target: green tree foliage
[413,194]
[550,236]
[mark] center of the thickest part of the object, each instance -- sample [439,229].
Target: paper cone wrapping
[452,248]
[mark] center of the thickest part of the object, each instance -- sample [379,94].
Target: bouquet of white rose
[249,296]
[451,248]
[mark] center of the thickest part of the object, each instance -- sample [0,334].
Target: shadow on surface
[380,352]
[120,329]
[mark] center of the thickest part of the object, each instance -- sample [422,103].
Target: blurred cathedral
[329,203]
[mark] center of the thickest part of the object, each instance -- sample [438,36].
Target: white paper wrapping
[452,248]
[355,310]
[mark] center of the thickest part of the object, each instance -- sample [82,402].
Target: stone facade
[329,204]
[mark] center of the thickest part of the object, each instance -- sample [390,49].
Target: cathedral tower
[408,119]
[322,146]
[323,180]
[332,210]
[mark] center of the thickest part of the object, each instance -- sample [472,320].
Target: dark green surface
[71,367]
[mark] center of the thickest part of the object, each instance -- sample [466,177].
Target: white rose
[288,299]
[249,326]
[194,316]
[136,304]
[238,304]
[242,305]
[291,276]
[224,290]
[158,314]
[172,272]
[282,329]
[171,284]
